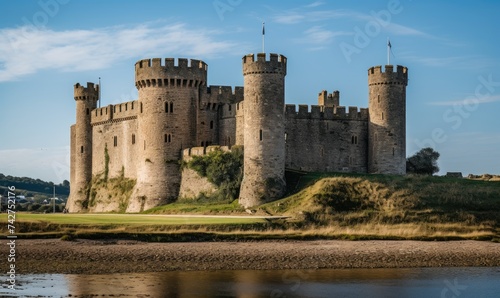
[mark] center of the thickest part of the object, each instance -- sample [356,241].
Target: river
[415,282]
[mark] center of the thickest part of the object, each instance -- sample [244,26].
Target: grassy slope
[400,206]
[346,206]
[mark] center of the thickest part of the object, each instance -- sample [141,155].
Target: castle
[177,111]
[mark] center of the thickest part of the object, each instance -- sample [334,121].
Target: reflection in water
[420,282]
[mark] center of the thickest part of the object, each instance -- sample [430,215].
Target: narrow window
[132,104]
[115,141]
[114,109]
[120,108]
[171,107]
[133,139]
[229,107]
[260,134]
[144,144]
[378,98]
[352,140]
[141,107]
[166,138]
[126,107]
[238,106]
[382,115]
[211,125]
[81,149]
[393,151]
[169,138]
[88,111]
[101,112]
[166,107]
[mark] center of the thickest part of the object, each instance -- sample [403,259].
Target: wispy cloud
[299,15]
[455,62]
[319,37]
[467,101]
[315,4]
[26,50]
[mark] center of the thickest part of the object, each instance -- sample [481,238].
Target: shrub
[223,169]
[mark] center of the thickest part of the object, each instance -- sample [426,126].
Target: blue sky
[451,49]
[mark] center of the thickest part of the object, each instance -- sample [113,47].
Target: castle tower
[264,129]
[166,121]
[387,120]
[81,145]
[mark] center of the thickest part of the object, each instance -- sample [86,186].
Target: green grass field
[128,219]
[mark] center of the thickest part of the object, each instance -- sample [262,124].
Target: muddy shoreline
[125,256]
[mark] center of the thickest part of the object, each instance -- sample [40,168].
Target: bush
[223,169]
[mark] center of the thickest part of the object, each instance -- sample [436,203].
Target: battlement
[185,73]
[325,113]
[329,100]
[377,76]
[275,64]
[125,110]
[224,94]
[85,93]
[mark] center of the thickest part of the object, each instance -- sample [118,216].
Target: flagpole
[99,94]
[263,36]
[388,51]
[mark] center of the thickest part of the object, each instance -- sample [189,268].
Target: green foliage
[223,169]
[106,162]
[26,185]
[424,162]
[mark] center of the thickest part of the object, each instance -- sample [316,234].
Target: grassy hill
[331,206]
[402,206]
[28,186]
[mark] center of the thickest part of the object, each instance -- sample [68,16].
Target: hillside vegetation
[405,206]
[319,206]
[29,186]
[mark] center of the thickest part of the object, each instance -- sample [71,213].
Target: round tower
[168,95]
[81,145]
[387,120]
[264,129]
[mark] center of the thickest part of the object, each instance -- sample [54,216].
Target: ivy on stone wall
[223,169]
[106,162]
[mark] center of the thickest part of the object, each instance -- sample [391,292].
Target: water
[420,282]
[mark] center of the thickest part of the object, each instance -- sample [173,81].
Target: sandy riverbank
[92,257]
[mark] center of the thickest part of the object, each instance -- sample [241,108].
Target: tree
[424,162]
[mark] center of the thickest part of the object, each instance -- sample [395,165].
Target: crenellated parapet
[329,100]
[110,113]
[377,76]
[91,92]
[325,113]
[275,64]
[185,74]
[224,94]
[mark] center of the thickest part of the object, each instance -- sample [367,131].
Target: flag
[389,44]
[263,29]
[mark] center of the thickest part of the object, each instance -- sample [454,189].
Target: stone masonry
[177,111]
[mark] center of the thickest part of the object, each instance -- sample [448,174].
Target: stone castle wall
[177,115]
[326,139]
